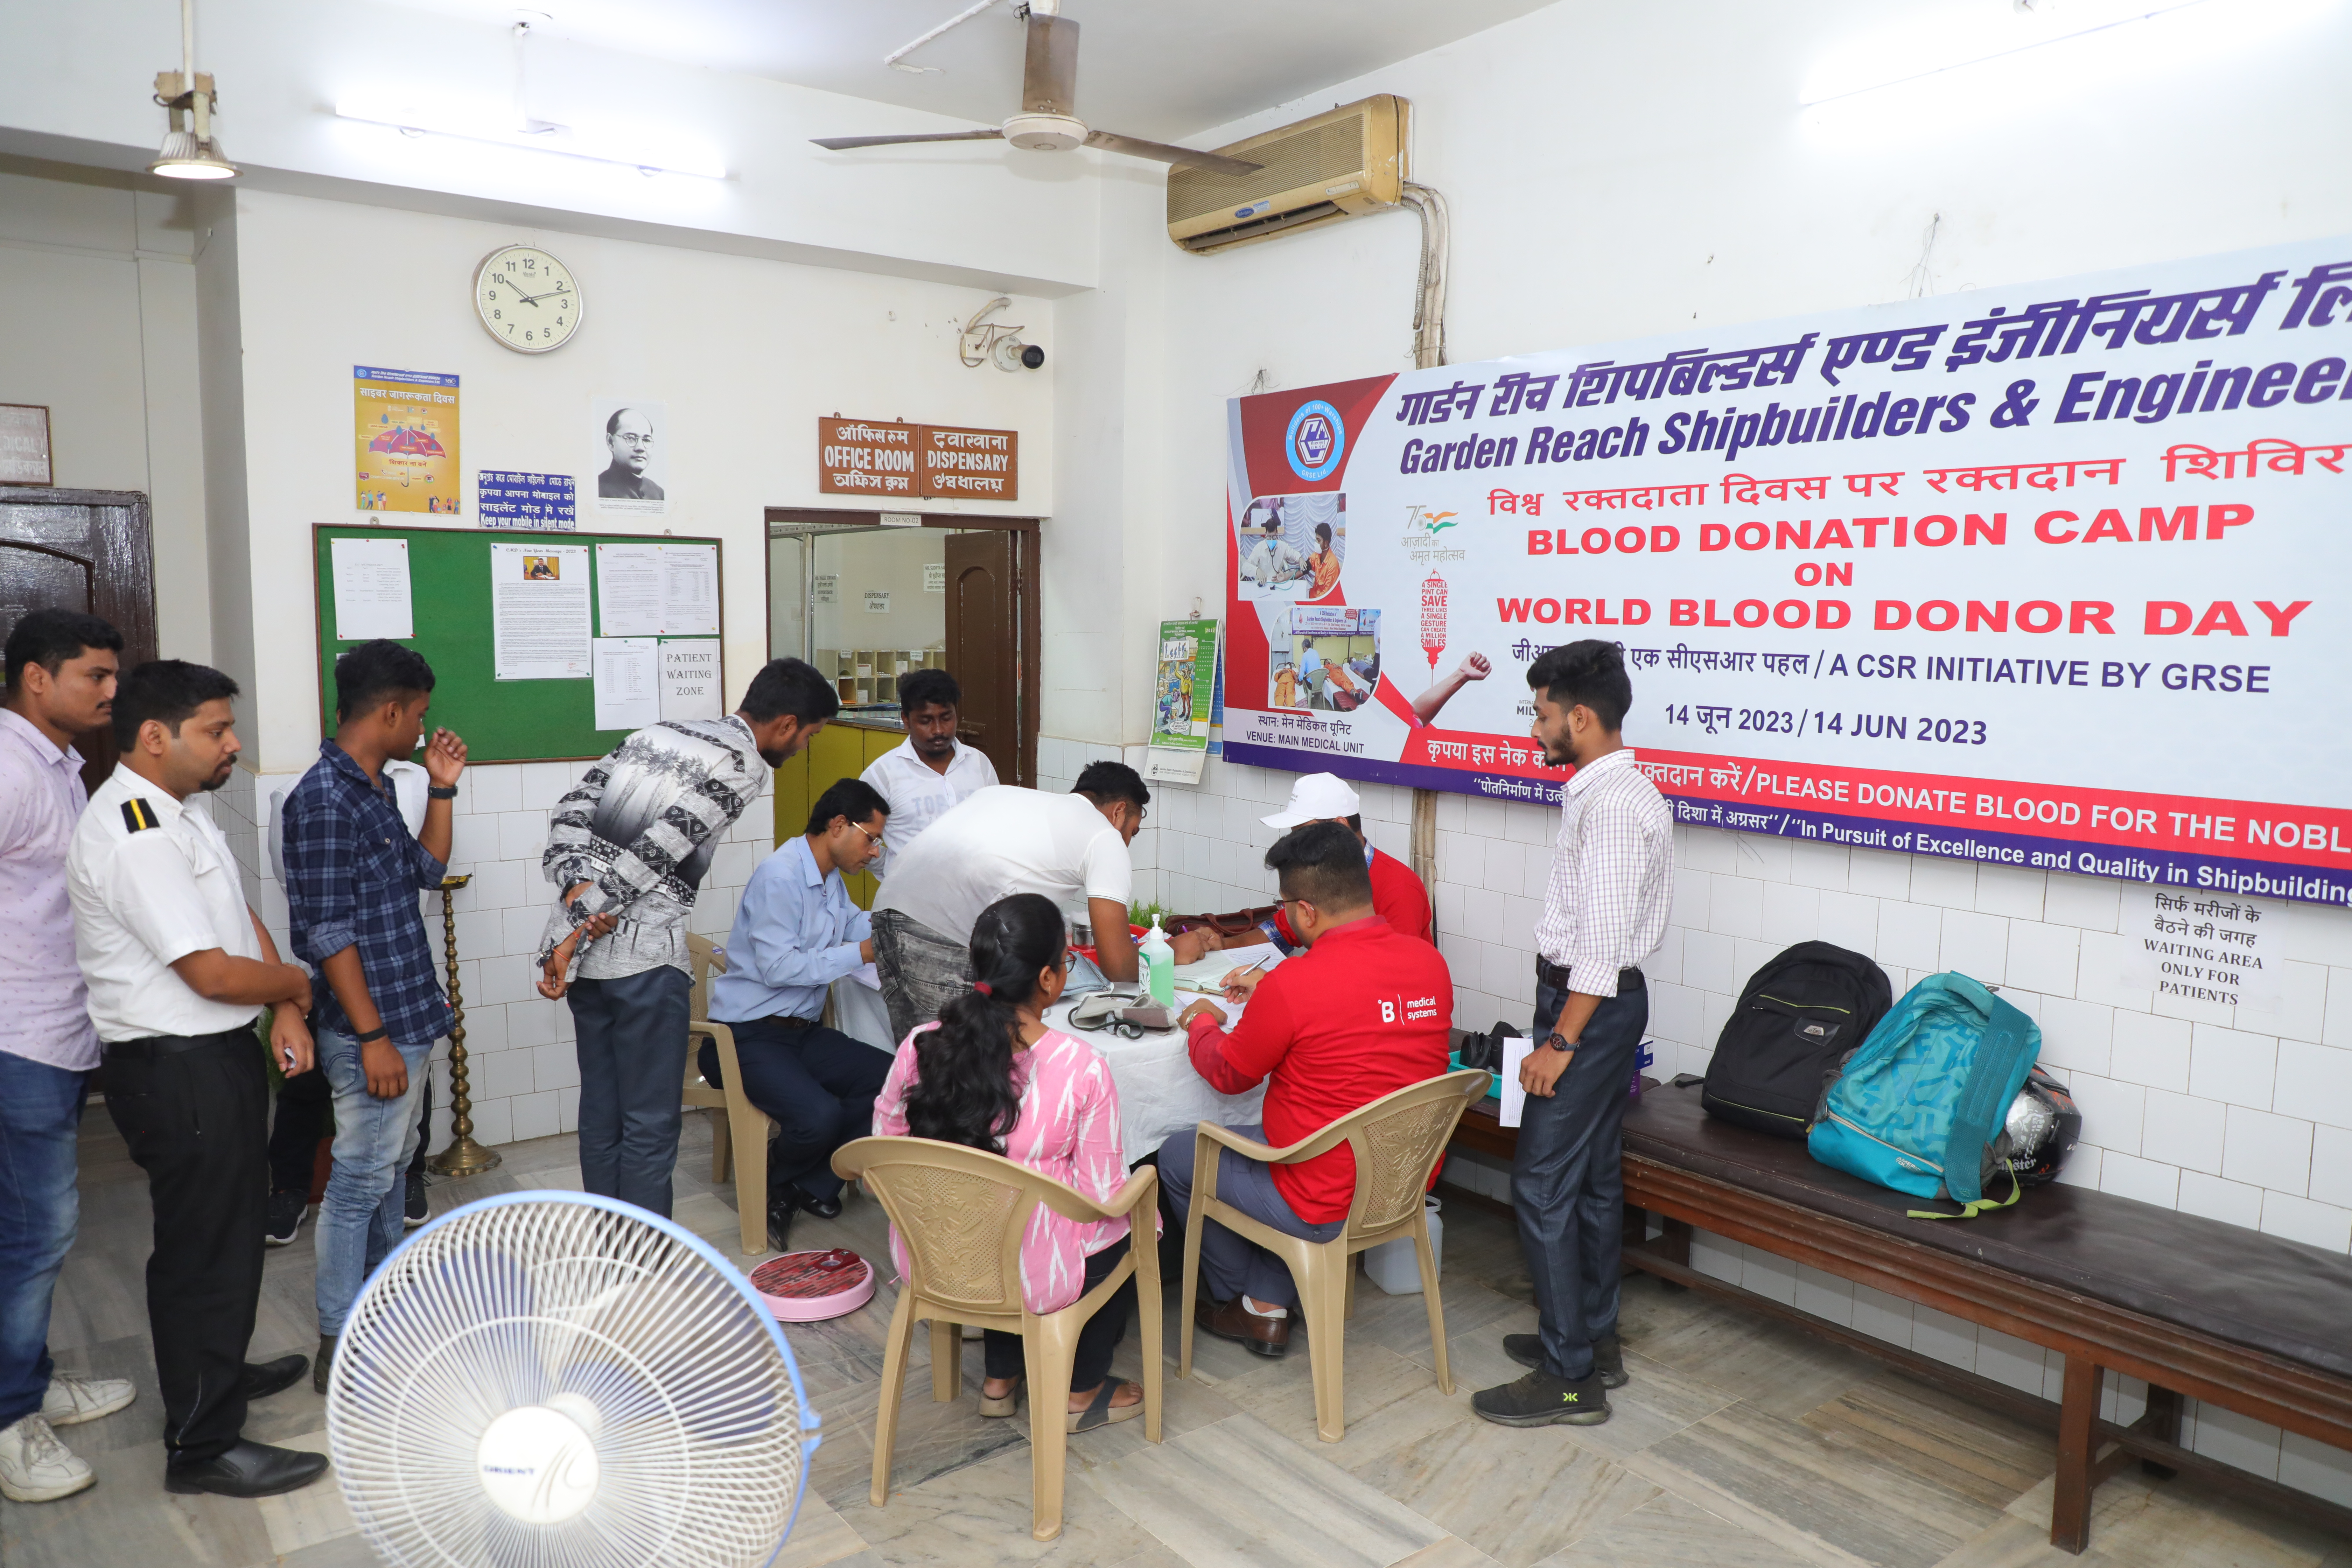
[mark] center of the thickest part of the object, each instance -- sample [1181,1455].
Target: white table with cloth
[1159,1093]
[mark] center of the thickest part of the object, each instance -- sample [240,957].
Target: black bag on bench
[1797,1019]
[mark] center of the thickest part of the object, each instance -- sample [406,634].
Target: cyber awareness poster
[2052,575]
[406,426]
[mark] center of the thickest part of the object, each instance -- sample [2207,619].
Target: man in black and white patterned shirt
[629,847]
[1604,912]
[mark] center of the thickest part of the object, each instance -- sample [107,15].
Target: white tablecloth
[1159,1093]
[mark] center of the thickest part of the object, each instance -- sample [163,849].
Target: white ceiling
[1157,69]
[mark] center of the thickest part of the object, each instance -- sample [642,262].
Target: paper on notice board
[690,680]
[628,687]
[539,612]
[1515,1098]
[689,590]
[628,591]
[372,597]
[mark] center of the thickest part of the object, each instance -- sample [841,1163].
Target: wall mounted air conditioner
[1339,165]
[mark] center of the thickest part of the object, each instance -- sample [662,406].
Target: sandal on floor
[1004,1407]
[1102,1412]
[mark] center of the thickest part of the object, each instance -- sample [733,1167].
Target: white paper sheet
[690,595]
[868,976]
[372,596]
[1515,1098]
[539,612]
[628,687]
[629,590]
[689,680]
[1212,970]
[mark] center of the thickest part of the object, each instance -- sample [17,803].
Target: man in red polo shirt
[1362,1013]
[1398,896]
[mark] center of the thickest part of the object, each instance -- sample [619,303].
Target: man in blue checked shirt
[796,933]
[353,874]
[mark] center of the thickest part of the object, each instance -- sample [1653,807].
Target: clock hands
[535,299]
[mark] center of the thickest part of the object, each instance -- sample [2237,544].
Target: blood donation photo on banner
[1293,547]
[2036,575]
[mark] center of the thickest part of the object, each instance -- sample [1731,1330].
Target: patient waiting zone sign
[2039,576]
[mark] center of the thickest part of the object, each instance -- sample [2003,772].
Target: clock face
[526,299]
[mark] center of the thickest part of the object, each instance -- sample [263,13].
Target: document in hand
[1515,1098]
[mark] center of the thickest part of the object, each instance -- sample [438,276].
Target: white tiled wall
[524,1074]
[2179,1108]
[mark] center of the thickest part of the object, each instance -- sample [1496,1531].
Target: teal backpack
[1920,1105]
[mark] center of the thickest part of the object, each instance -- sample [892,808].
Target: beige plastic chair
[1397,1139]
[961,1214]
[739,1134]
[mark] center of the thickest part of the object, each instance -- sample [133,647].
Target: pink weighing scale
[810,1287]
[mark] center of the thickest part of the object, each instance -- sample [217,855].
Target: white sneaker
[35,1467]
[72,1400]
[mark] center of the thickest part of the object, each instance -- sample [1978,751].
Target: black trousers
[816,1084]
[1100,1335]
[300,1120]
[1566,1182]
[196,1114]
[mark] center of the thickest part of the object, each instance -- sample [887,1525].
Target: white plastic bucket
[1391,1265]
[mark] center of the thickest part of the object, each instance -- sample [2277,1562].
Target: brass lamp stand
[463,1157]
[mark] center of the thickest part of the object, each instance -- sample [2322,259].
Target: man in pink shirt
[61,668]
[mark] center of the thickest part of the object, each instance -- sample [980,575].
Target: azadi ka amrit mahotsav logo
[1315,441]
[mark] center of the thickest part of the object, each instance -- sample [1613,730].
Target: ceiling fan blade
[1136,147]
[1049,72]
[842,143]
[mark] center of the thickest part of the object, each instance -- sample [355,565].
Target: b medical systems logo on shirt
[1316,440]
[1411,1009]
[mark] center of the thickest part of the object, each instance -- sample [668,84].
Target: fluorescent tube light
[501,126]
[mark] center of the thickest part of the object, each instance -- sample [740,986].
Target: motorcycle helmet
[2040,1130]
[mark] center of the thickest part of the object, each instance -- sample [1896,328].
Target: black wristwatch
[441,792]
[1556,1043]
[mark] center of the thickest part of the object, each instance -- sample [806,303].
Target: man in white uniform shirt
[1070,848]
[1604,912]
[177,965]
[929,772]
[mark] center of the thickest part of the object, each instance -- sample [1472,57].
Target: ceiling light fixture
[501,125]
[190,151]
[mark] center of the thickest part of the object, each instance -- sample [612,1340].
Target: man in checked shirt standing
[1604,912]
[353,874]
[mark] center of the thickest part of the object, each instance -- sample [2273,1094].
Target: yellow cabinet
[839,752]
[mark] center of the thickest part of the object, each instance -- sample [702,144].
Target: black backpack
[1796,1020]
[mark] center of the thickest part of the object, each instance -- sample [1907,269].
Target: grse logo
[1316,440]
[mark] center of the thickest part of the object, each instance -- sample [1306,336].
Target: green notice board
[449,589]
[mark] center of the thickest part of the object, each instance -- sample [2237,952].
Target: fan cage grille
[507,1303]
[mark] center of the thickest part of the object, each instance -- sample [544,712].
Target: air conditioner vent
[1337,164]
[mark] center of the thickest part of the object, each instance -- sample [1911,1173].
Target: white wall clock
[526,299]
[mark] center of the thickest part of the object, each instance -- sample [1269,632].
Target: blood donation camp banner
[2045,576]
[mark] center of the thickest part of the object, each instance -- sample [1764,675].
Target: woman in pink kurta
[990,1075]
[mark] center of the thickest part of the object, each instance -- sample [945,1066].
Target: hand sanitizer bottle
[1158,964]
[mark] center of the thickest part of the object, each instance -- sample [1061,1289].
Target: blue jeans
[1567,1186]
[360,1219]
[40,1116]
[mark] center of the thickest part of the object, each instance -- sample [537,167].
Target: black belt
[793,1023]
[1555,974]
[155,1046]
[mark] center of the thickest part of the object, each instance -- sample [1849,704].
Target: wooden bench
[2192,1306]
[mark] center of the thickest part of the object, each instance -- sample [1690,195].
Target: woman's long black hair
[963,1091]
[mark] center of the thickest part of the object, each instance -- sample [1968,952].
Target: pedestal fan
[557,1380]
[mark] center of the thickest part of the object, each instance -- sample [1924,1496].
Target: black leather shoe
[247,1470]
[824,1209]
[264,1378]
[780,1224]
[323,1366]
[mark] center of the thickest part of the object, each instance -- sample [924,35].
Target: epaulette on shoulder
[138,816]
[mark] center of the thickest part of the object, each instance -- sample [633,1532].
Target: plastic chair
[1397,1139]
[739,1135]
[961,1214]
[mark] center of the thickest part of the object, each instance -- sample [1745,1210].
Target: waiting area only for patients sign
[2050,575]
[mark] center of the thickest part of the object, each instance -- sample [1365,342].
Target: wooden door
[82,549]
[985,645]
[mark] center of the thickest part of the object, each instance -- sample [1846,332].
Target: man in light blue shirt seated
[796,933]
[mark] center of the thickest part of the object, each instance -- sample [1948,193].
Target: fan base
[1045,132]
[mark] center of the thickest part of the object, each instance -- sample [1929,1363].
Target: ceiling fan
[1049,84]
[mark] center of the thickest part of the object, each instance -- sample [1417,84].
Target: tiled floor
[1737,1445]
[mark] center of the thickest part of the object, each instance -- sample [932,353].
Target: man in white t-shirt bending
[1000,841]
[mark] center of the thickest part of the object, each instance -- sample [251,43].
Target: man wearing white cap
[1398,896]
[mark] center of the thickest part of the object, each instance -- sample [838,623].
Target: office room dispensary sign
[2052,575]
